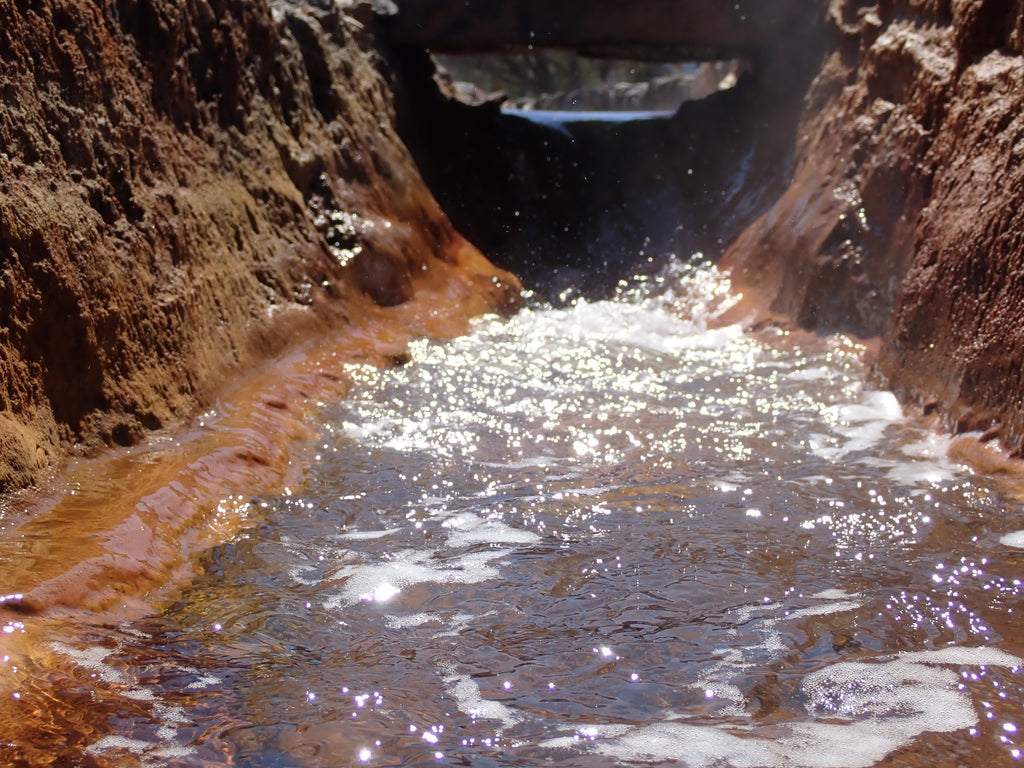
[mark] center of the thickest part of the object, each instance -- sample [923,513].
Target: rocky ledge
[185,187]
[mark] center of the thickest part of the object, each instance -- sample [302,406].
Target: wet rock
[384,277]
[21,455]
[158,164]
[904,215]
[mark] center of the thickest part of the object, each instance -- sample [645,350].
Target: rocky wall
[186,186]
[905,215]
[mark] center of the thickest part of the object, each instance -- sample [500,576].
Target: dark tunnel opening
[575,203]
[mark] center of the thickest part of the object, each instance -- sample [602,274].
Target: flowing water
[599,535]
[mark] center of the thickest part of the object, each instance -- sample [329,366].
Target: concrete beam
[688,28]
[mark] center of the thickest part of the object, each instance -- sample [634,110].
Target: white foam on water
[204,681]
[699,291]
[933,446]
[586,733]
[695,746]
[468,529]
[824,610]
[151,753]
[539,461]
[927,464]
[367,535]
[363,432]
[673,322]
[922,473]
[834,594]
[412,436]
[736,661]
[1014,539]
[712,683]
[862,424]
[381,581]
[94,659]
[306,575]
[167,717]
[964,657]
[885,704]
[112,742]
[861,427]
[411,620]
[470,699]
[173,751]
[172,714]
[825,745]
[451,625]
[529,408]
[651,328]
[888,705]
[914,694]
[140,694]
[818,373]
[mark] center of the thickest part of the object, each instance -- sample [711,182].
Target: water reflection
[595,536]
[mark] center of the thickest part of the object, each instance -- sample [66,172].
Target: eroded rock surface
[904,216]
[184,186]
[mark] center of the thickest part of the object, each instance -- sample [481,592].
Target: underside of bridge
[575,207]
[664,29]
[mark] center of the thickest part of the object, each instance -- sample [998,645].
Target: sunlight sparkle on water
[490,530]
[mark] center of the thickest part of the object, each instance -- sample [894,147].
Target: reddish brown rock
[905,216]
[182,186]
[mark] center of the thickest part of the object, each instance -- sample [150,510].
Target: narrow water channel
[601,535]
